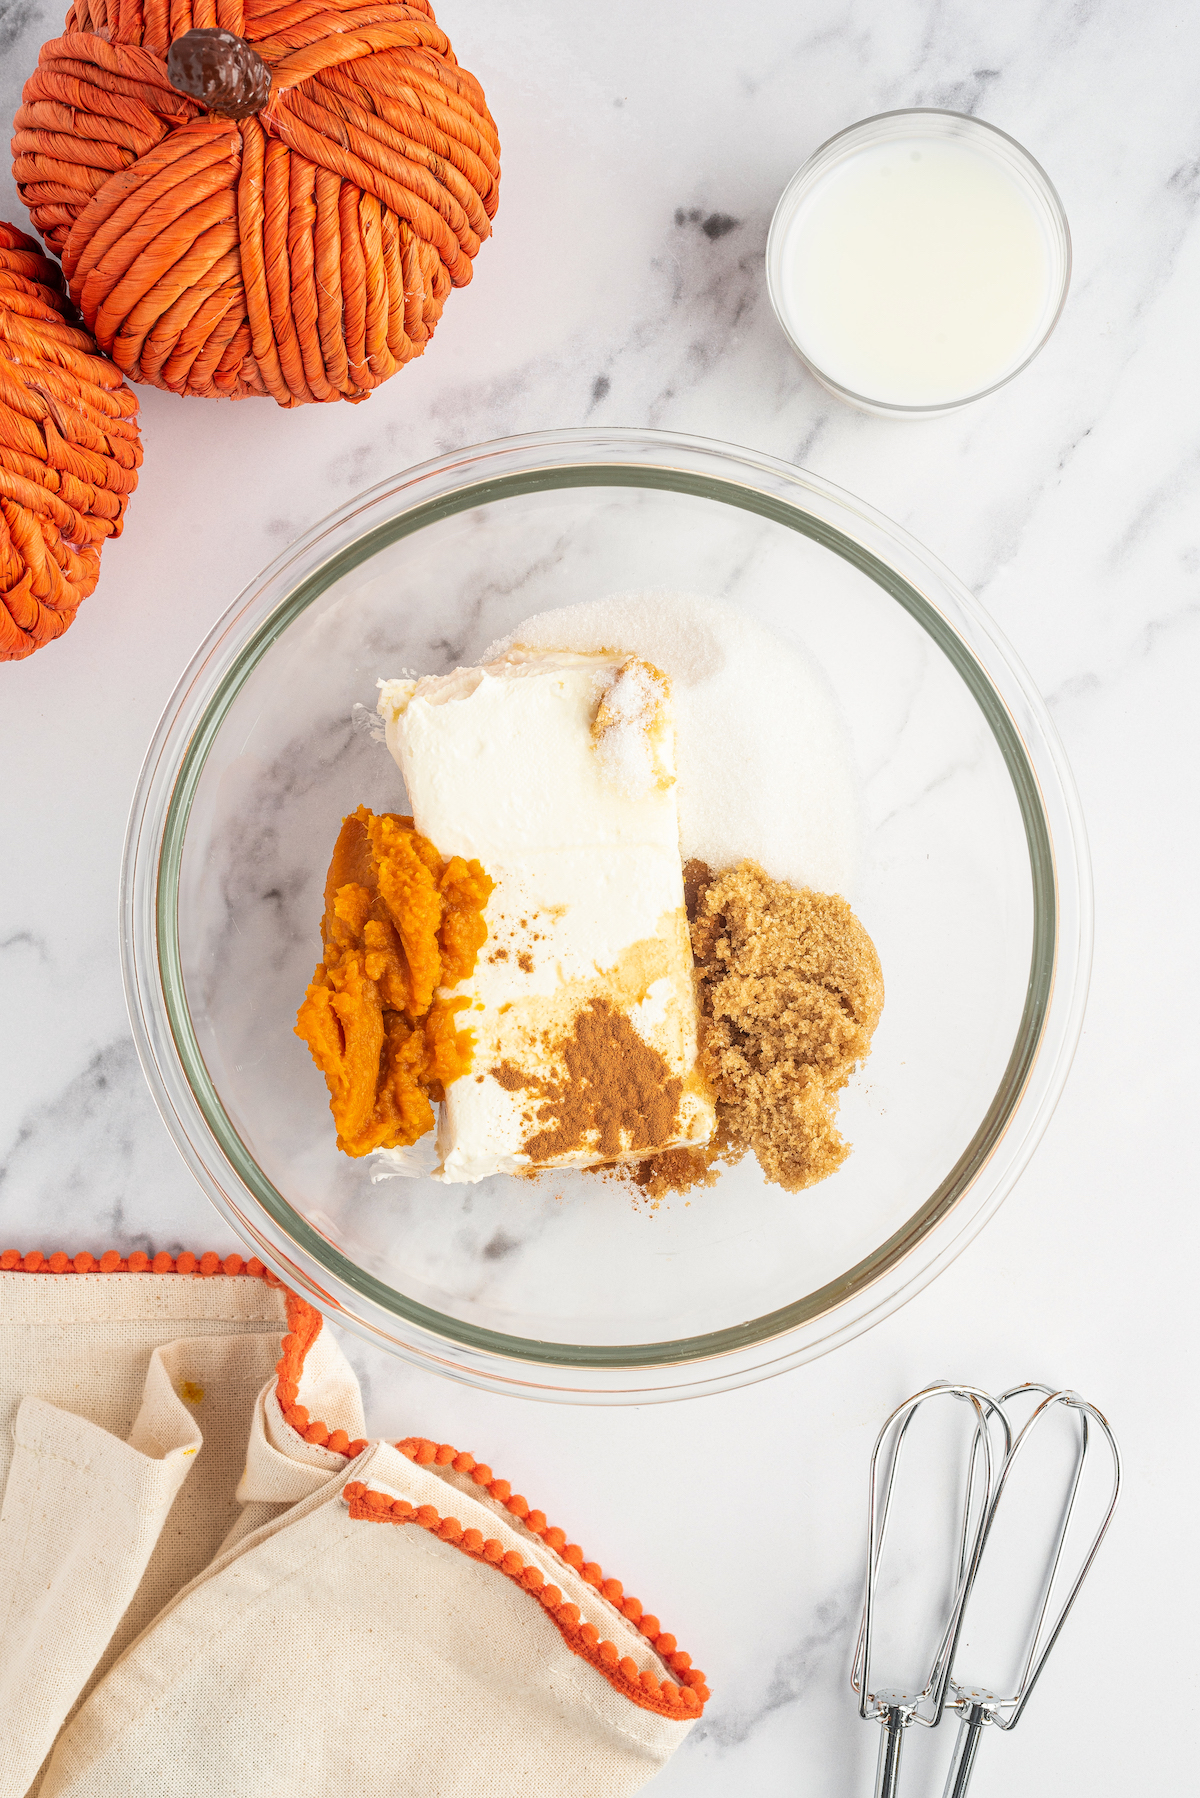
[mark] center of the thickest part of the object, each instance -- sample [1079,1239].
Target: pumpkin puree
[400,923]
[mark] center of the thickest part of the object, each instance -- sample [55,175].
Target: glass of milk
[918,261]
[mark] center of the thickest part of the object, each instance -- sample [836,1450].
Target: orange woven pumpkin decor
[258,196]
[69,451]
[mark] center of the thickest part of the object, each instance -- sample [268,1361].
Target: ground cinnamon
[614,1096]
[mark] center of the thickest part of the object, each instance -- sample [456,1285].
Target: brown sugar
[615,1094]
[679,1170]
[790,990]
[400,923]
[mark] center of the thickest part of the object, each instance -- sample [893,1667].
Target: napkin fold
[211,1582]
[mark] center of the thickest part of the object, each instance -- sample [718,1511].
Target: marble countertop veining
[644,149]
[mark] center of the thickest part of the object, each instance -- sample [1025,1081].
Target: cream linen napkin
[200,1594]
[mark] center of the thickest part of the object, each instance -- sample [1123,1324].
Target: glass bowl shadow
[976,891]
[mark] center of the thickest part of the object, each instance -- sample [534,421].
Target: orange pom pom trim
[303,252]
[684,1700]
[69,451]
[304,1322]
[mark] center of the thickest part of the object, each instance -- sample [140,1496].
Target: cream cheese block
[556,771]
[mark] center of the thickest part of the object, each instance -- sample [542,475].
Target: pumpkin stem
[223,72]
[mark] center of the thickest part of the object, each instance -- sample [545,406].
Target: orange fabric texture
[305,252]
[69,451]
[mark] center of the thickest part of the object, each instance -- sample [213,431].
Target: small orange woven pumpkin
[303,250]
[69,451]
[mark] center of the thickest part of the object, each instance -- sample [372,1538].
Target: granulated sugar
[765,766]
[630,717]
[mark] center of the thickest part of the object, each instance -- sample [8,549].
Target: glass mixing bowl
[976,892]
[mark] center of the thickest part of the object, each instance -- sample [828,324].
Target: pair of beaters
[987,1499]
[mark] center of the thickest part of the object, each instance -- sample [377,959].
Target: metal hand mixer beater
[993,1449]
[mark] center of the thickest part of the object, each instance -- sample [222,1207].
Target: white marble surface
[644,148]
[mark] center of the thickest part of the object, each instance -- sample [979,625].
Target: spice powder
[616,1097]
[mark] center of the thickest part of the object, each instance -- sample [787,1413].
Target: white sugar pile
[631,707]
[764,760]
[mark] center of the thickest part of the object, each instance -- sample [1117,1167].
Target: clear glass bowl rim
[824,156]
[1060,964]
